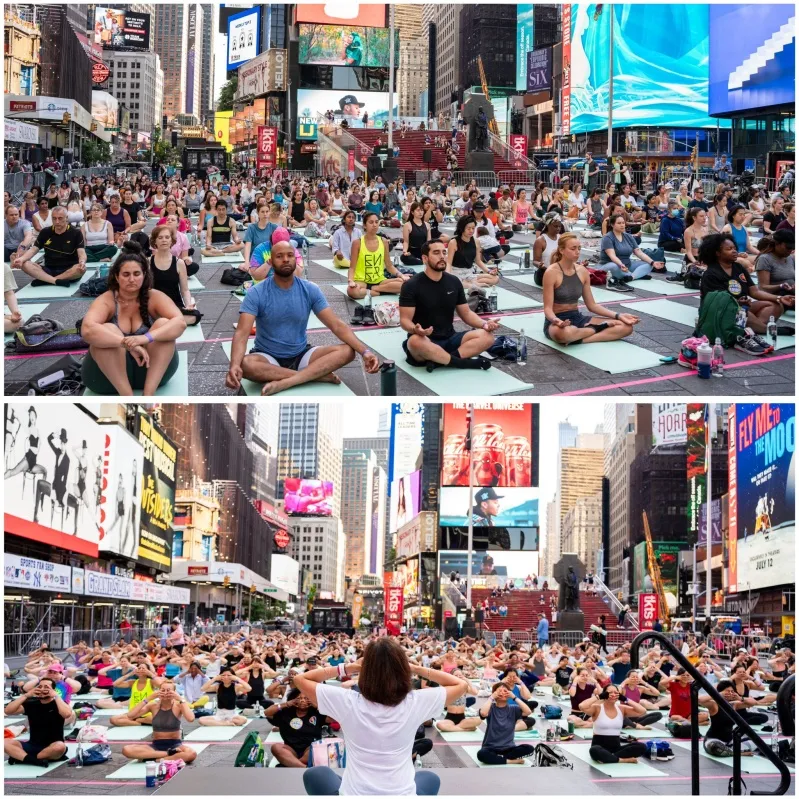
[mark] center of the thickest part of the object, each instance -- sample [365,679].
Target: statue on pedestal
[480,131]
[571,599]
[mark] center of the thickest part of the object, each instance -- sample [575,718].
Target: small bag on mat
[328,752]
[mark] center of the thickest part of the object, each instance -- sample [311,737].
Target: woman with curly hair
[131,331]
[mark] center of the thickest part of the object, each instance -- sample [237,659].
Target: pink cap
[280,234]
[55,667]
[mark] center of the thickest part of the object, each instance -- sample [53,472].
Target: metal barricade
[522,178]
[484,180]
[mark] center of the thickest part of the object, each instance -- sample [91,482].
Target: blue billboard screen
[525,28]
[739,80]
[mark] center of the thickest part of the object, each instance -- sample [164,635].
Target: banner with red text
[565,97]
[267,147]
[648,611]
[394,604]
[518,145]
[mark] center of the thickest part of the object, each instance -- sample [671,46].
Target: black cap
[484,494]
[479,206]
[349,99]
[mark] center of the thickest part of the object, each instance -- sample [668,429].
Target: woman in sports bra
[27,465]
[547,243]
[521,211]
[607,715]
[464,255]
[415,232]
[75,214]
[695,230]
[157,200]
[456,720]
[565,284]
[131,331]
[168,711]
[369,261]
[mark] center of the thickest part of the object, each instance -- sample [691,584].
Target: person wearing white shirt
[192,681]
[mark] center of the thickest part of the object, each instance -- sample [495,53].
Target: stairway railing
[613,601]
[741,725]
[504,150]
[340,140]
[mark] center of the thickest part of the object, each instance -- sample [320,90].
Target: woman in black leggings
[608,712]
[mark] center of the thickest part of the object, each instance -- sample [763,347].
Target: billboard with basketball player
[762,516]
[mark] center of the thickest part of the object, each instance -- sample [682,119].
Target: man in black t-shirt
[46,713]
[300,724]
[699,199]
[64,253]
[428,303]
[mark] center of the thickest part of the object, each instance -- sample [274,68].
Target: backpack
[234,277]
[504,348]
[94,287]
[597,277]
[787,751]
[387,314]
[692,277]
[251,752]
[679,729]
[478,301]
[329,752]
[717,318]
[551,712]
[94,755]
[546,755]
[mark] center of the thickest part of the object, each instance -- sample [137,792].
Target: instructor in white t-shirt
[379,722]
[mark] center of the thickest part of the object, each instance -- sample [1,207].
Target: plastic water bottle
[493,300]
[368,298]
[79,757]
[718,359]
[740,317]
[771,331]
[521,349]
[527,258]
[704,355]
[305,255]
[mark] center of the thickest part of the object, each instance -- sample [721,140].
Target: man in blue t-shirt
[280,307]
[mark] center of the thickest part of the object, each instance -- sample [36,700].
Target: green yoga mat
[342,287]
[129,733]
[8,721]
[657,286]
[30,292]
[313,242]
[473,750]
[194,284]
[274,737]
[227,258]
[22,771]
[755,764]
[444,381]
[462,735]
[665,309]
[137,769]
[615,769]
[216,733]
[306,390]
[327,263]
[599,294]
[117,711]
[178,386]
[614,357]
[193,334]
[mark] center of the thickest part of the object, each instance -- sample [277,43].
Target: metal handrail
[505,151]
[615,603]
[725,707]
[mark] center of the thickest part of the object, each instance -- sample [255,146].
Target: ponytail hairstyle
[132,251]
[563,240]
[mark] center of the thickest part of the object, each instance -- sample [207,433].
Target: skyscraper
[488,31]
[170,39]
[567,438]
[194,60]
[207,64]
[446,18]
[413,55]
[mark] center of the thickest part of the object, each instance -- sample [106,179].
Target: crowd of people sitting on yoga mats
[381,694]
[264,231]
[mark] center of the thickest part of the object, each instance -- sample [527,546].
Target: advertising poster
[405,445]
[53,473]
[715,523]
[668,423]
[566,86]
[539,70]
[35,575]
[393,609]
[105,109]
[762,518]
[267,147]
[308,497]
[345,105]
[696,464]
[405,500]
[648,611]
[452,567]
[525,32]
[243,38]
[501,507]
[267,72]
[518,144]
[492,539]
[407,576]
[370,14]
[667,554]
[346,46]
[157,494]
[504,446]
[116,29]
[120,509]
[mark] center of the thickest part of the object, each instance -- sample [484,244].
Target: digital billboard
[760,71]
[120,509]
[762,515]
[406,500]
[667,554]
[492,539]
[105,109]
[405,444]
[696,463]
[116,29]
[346,46]
[53,473]
[500,507]
[243,38]
[504,445]
[525,31]
[668,423]
[660,65]
[539,70]
[370,14]
[345,105]
[308,497]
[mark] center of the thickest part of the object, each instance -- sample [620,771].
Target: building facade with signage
[135,78]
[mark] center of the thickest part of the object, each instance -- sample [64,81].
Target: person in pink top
[176,637]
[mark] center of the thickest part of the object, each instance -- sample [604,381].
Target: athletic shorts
[33,748]
[225,715]
[572,317]
[449,345]
[455,718]
[165,744]
[296,362]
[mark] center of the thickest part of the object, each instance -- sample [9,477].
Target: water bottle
[704,358]
[493,300]
[527,258]
[149,774]
[718,359]
[368,298]
[740,317]
[771,330]
[305,254]
[388,379]
[79,756]
[521,349]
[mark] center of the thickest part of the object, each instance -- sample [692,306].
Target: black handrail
[725,707]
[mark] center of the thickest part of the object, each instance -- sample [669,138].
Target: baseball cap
[225,187]
[479,206]
[350,99]
[55,667]
[484,494]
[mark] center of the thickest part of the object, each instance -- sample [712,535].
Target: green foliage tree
[93,152]
[227,94]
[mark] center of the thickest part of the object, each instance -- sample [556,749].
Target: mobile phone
[668,359]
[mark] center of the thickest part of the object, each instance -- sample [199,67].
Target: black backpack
[234,277]
[546,755]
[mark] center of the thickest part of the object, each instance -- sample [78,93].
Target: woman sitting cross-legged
[498,748]
[565,283]
[607,714]
[368,261]
[131,331]
[456,719]
[298,722]
[227,688]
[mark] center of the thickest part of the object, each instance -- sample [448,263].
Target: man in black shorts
[300,724]
[46,713]
[428,303]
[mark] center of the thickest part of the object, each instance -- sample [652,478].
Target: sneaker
[677,277]
[357,318]
[762,341]
[645,277]
[663,751]
[750,346]
[369,317]
[687,358]
[617,285]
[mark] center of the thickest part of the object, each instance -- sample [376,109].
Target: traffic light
[226,581]
[252,589]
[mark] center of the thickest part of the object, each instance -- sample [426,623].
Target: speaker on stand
[427,158]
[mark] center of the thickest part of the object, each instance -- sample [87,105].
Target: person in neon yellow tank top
[143,683]
[368,260]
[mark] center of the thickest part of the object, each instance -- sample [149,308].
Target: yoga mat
[342,287]
[615,769]
[117,711]
[10,720]
[656,286]
[22,771]
[178,386]
[227,258]
[528,735]
[27,310]
[313,242]
[136,769]
[194,284]
[751,765]
[306,390]
[274,737]
[462,735]
[193,334]
[90,697]
[444,381]
[327,263]
[665,309]
[473,750]
[30,292]
[599,294]
[129,733]
[609,356]
[216,733]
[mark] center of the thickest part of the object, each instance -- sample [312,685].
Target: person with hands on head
[718,740]
[280,307]
[608,712]
[679,686]
[142,683]
[227,687]
[379,721]
[456,718]
[520,694]
[47,713]
[502,717]
[368,262]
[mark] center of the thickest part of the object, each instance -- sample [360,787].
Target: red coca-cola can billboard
[488,454]
[455,468]
[518,459]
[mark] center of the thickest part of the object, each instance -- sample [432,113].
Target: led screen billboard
[308,497]
[371,14]
[406,499]
[243,38]
[346,46]
[490,507]
[762,509]
[345,105]
[525,30]
[405,444]
[491,539]
[660,65]
[115,29]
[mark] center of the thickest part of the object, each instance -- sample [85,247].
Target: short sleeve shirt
[623,249]
[738,283]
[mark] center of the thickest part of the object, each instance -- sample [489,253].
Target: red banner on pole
[648,611]
[518,144]
[351,161]
[394,602]
[267,147]
[566,91]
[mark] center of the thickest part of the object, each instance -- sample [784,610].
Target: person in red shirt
[679,686]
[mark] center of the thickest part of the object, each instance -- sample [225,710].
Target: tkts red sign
[267,147]
[394,610]
[647,611]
